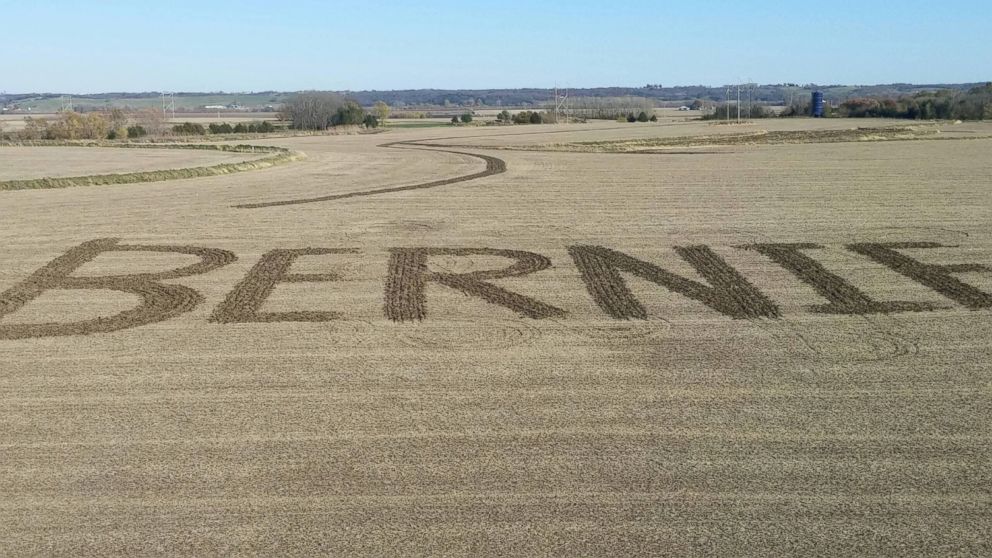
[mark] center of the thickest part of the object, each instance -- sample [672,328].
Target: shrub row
[263,127]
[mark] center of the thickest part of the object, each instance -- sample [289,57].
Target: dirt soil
[754,350]
[21,163]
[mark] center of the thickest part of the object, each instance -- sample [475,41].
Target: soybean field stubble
[731,348]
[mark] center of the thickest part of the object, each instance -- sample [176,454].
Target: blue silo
[816,108]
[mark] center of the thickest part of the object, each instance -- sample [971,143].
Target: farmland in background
[771,94]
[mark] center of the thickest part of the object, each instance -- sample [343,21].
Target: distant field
[469,341]
[193,102]
[14,122]
[215,117]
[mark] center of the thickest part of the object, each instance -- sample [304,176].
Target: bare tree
[312,110]
[151,120]
[117,118]
[34,128]
[609,108]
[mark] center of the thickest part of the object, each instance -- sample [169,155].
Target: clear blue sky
[142,45]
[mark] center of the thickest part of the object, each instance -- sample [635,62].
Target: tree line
[609,108]
[194,129]
[777,94]
[781,93]
[947,104]
[112,124]
[117,124]
[943,104]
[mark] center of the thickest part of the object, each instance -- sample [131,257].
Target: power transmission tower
[66,101]
[168,105]
[561,104]
[738,101]
[728,104]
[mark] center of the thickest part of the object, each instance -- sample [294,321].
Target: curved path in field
[494,165]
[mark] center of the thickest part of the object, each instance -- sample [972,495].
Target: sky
[85,46]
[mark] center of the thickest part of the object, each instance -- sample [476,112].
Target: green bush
[642,117]
[136,132]
[263,127]
[351,114]
[189,129]
[466,118]
[529,117]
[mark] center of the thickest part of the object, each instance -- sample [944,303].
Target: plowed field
[507,341]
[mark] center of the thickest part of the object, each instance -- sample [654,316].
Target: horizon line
[646,86]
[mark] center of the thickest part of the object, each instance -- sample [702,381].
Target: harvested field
[22,163]
[494,165]
[396,347]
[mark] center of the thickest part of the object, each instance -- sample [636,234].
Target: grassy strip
[761,137]
[428,124]
[655,146]
[275,156]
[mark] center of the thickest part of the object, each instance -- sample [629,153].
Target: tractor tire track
[494,166]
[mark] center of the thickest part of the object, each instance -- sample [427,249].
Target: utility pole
[566,111]
[750,97]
